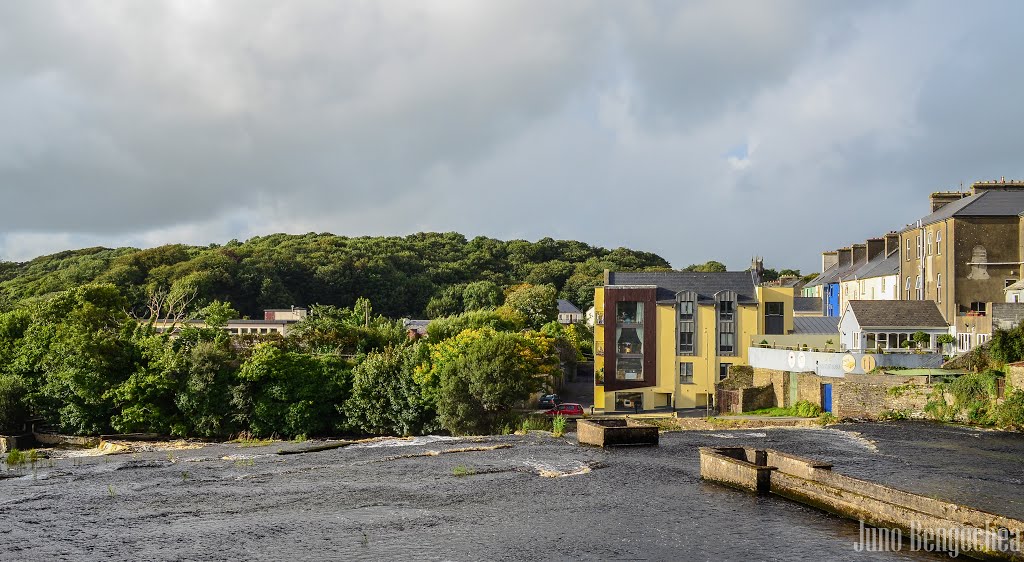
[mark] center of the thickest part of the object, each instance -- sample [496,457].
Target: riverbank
[498,497]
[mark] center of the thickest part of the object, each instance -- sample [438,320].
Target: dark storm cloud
[616,123]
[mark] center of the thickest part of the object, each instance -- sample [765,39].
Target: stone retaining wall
[853,396]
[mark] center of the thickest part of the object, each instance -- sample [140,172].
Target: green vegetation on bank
[802,409]
[435,274]
[77,361]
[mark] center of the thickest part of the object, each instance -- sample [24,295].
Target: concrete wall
[611,432]
[838,364]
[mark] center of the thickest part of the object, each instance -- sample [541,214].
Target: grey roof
[704,284]
[880,266]
[825,277]
[566,307]
[897,314]
[1016,286]
[985,204]
[807,304]
[815,324]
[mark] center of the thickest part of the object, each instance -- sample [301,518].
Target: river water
[225,502]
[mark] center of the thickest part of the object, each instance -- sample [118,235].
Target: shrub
[15,457]
[1010,414]
[805,409]
[12,403]
[558,425]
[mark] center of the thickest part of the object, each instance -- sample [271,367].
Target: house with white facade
[869,325]
[568,313]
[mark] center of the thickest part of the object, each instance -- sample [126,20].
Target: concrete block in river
[612,432]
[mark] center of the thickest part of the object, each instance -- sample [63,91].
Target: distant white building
[1015,292]
[568,313]
[275,321]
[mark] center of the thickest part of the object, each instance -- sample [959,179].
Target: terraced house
[663,339]
[965,254]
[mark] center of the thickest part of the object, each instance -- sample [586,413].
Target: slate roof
[566,307]
[984,204]
[825,277]
[704,284]
[897,314]
[815,324]
[880,266]
[807,304]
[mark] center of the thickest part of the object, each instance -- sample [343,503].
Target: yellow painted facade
[669,390]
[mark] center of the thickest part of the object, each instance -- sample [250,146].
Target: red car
[568,410]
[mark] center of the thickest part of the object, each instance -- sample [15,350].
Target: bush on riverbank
[82,364]
[971,398]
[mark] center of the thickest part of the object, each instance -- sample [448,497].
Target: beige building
[275,321]
[967,251]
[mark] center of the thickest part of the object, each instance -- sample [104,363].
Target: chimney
[845,257]
[875,247]
[828,259]
[860,254]
[940,199]
[997,185]
[892,243]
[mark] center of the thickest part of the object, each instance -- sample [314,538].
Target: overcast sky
[697,130]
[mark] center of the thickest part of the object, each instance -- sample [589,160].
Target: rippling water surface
[541,498]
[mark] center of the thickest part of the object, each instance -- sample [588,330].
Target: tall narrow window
[629,341]
[920,248]
[726,301]
[687,322]
[938,288]
[920,288]
[938,243]
[930,246]
[774,318]
[908,249]
[908,288]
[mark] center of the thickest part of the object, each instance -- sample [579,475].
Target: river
[374,502]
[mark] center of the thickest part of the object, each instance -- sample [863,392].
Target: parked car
[548,401]
[569,409]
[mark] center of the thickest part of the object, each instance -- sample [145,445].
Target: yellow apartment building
[662,340]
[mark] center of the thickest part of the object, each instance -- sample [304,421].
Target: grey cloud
[607,122]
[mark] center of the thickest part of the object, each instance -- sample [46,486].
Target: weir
[947,526]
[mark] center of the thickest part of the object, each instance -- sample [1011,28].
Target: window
[686,310]
[908,288]
[629,341]
[856,340]
[726,310]
[686,373]
[686,343]
[938,287]
[938,242]
[930,246]
[979,308]
[883,284]
[919,247]
[727,343]
[908,248]
[687,323]
[920,289]
[774,318]
[723,370]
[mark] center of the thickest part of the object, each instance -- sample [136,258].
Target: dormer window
[726,311]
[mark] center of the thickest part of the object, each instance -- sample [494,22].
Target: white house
[868,325]
[1015,292]
[568,313]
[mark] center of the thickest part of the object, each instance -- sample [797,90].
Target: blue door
[826,397]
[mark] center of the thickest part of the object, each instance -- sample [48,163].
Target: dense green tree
[12,403]
[482,294]
[537,303]
[711,266]
[289,393]
[502,320]
[385,397]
